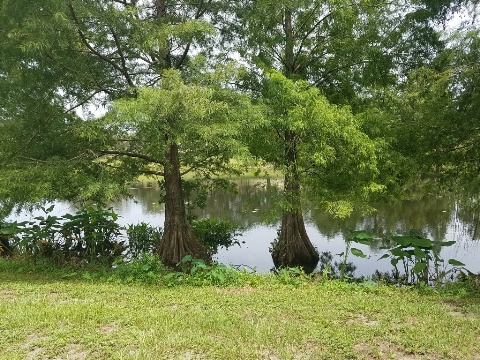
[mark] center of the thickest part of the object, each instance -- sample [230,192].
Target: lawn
[43,317]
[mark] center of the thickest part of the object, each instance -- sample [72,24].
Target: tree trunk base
[293,248]
[178,241]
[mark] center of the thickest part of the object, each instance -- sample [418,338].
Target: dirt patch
[384,350]
[32,340]
[187,355]
[74,352]
[306,352]
[34,354]
[8,294]
[455,309]
[107,329]
[191,355]
[31,344]
[255,318]
[268,354]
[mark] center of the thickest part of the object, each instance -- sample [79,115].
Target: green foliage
[144,268]
[195,272]
[143,238]
[88,235]
[40,237]
[470,281]
[444,98]
[8,232]
[360,237]
[9,236]
[214,233]
[148,269]
[314,40]
[292,276]
[330,269]
[204,122]
[93,231]
[335,162]
[109,50]
[420,259]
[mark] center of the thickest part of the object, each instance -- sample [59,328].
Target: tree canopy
[347,93]
[334,160]
[439,111]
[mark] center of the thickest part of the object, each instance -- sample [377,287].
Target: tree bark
[178,238]
[293,247]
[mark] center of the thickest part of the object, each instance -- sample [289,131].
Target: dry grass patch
[268,354]
[236,290]
[73,352]
[8,295]
[456,309]
[385,350]
[32,346]
[110,328]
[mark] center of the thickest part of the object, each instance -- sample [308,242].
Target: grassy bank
[265,173]
[46,317]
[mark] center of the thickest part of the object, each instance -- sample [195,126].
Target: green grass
[43,316]
[248,175]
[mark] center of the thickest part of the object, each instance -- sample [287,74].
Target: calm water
[253,208]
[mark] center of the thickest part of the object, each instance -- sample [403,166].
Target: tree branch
[95,51]
[330,72]
[132,155]
[309,32]
[184,55]
[122,58]
[151,172]
[146,172]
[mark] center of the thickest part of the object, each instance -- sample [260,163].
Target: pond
[253,208]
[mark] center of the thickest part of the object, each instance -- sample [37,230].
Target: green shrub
[292,276]
[419,259]
[145,268]
[8,237]
[195,272]
[213,233]
[90,234]
[143,238]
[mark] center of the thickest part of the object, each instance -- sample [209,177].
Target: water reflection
[254,208]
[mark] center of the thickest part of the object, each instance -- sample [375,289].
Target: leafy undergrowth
[64,314]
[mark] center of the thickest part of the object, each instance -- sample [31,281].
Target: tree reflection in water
[255,208]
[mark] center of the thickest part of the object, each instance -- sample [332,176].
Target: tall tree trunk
[293,247]
[178,239]
[289,44]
